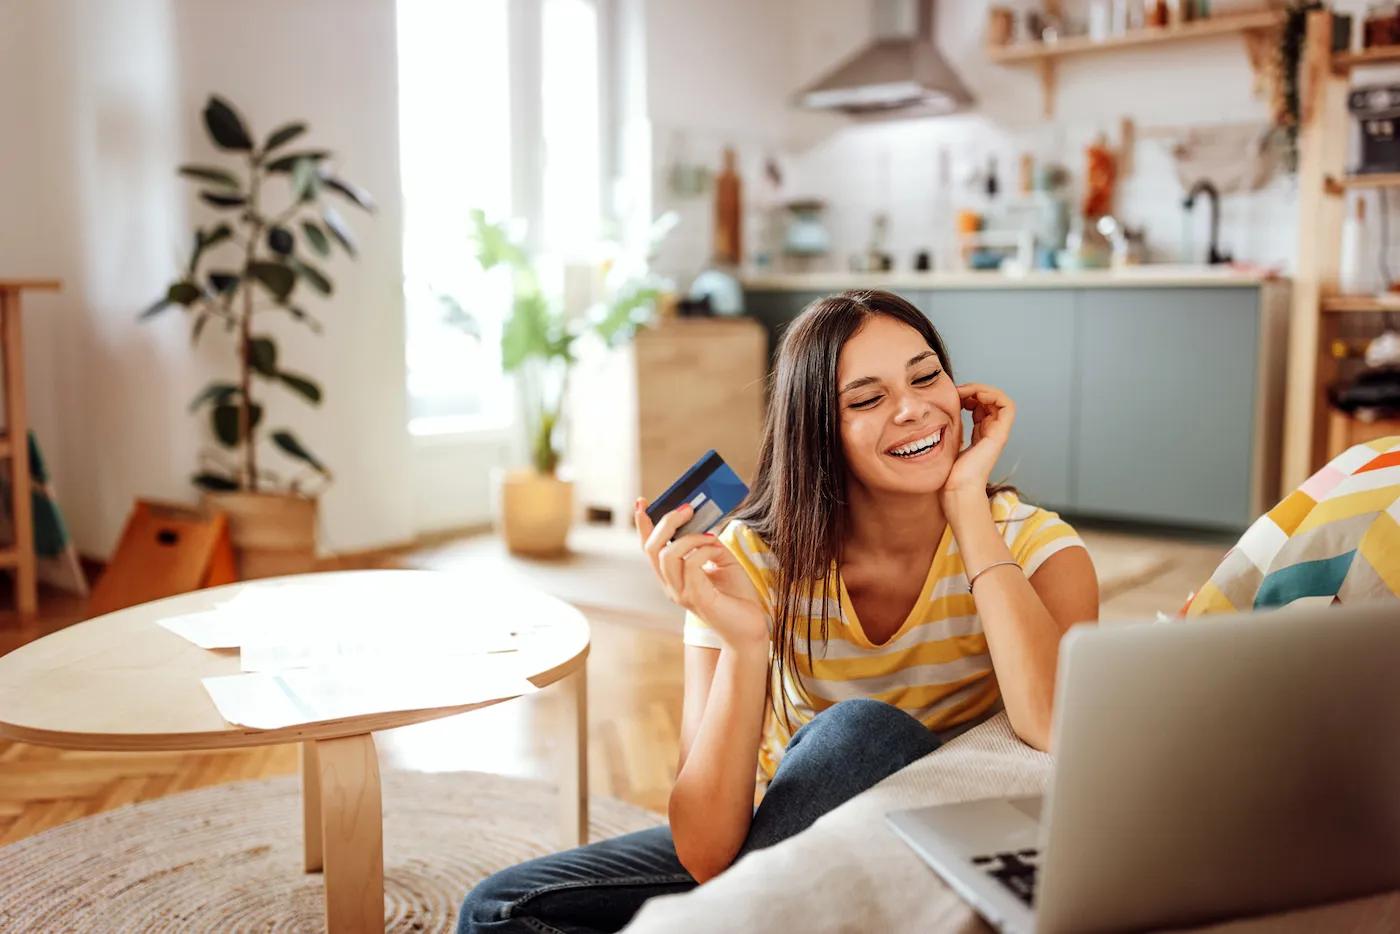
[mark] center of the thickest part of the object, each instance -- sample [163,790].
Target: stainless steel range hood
[900,73]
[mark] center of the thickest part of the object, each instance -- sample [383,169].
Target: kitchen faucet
[1203,186]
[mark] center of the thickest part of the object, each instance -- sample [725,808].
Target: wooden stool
[14,443]
[1343,431]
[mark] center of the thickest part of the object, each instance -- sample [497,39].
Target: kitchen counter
[1147,276]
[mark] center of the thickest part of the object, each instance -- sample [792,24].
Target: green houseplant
[252,265]
[539,343]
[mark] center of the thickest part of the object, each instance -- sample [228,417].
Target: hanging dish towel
[1235,158]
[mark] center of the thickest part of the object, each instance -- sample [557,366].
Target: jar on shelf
[1381,26]
[1000,23]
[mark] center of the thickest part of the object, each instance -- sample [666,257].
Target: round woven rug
[229,858]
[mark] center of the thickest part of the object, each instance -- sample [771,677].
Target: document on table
[346,619]
[399,648]
[267,700]
[210,629]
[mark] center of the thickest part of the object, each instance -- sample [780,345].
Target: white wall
[717,75]
[107,94]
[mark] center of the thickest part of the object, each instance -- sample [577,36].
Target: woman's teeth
[915,448]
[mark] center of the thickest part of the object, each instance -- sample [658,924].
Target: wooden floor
[634,721]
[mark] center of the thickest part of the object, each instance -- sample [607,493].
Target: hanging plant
[1292,37]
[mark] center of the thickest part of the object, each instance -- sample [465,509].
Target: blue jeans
[600,887]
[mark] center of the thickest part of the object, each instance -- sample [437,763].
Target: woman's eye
[866,403]
[925,380]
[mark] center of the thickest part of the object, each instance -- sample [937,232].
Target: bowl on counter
[722,290]
[1074,261]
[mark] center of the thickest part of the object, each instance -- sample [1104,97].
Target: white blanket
[849,873]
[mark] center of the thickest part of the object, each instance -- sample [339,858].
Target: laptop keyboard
[1015,870]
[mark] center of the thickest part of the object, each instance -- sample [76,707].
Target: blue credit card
[712,489]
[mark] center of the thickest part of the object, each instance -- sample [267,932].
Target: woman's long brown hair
[797,504]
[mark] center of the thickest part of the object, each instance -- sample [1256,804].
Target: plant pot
[273,534]
[535,513]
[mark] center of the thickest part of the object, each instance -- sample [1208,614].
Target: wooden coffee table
[122,682]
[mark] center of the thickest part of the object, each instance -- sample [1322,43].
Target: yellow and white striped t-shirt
[936,665]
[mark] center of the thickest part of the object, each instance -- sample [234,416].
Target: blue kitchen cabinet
[1022,342]
[1166,393]
[775,309]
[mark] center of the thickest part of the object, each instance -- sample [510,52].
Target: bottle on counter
[770,216]
[1355,275]
[876,258]
[729,247]
[969,223]
[945,244]
[1100,178]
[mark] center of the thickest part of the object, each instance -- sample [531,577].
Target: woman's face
[901,418]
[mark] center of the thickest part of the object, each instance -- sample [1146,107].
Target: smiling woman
[871,598]
[853,521]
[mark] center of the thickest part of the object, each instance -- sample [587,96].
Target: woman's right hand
[701,575]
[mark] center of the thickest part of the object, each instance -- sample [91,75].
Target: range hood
[899,73]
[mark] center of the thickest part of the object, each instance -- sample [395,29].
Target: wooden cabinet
[700,385]
[640,416]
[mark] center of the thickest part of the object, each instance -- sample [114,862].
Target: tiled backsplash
[893,168]
[868,169]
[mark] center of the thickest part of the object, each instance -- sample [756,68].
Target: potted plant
[538,341]
[252,265]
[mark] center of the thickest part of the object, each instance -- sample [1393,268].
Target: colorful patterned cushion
[1335,539]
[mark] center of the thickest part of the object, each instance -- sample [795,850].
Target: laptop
[1221,767]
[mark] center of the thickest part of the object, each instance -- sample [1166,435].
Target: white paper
[253,701]
[394,650]
[272,700]
[208,630]
[461,615]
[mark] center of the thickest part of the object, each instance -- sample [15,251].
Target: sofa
[1335,539]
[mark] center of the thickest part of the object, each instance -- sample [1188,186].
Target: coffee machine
[1377,113]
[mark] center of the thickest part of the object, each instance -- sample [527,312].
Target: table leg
[352,834]
[17,427]
[311,806]
[573,765]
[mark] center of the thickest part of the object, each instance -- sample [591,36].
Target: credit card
[711,487]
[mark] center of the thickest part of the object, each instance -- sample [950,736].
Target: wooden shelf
[1257,29]
[1335,186]
[9,557]
[1356,304]
[6,449]
[1029,52]
[1343,62]
[30,285]
[1343,431]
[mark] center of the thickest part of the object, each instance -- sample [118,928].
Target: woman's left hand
[992,415]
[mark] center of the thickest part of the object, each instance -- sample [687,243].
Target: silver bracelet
[973,579]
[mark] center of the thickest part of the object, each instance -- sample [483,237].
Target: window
[467,107]
[571,202]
